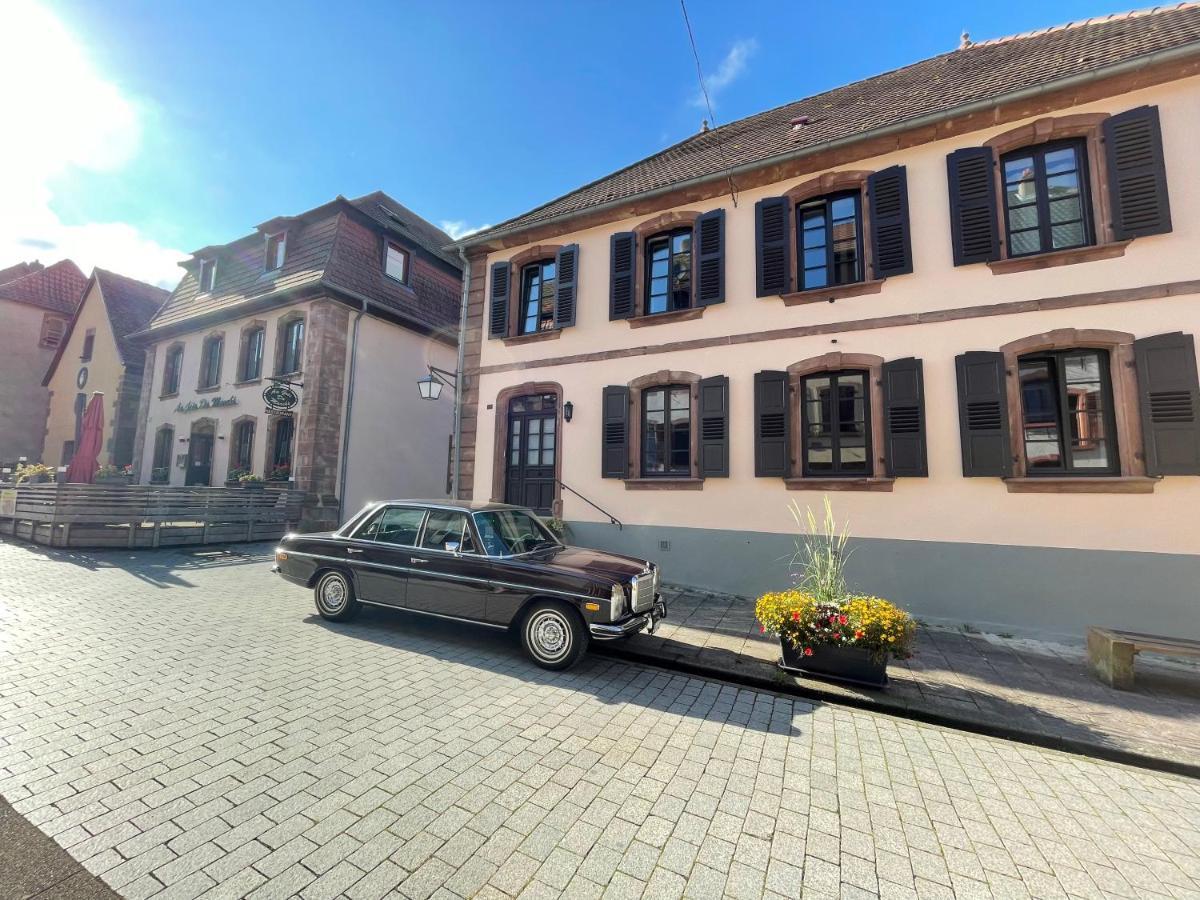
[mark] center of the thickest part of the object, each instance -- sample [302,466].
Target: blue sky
[207,118]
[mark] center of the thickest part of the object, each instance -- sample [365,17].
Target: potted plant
[251,481]
[32,473]
[113,475]
[160,475]
[823,627]
[280,473]
[233,479]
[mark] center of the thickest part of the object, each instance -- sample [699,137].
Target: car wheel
[335,598]
[553,635]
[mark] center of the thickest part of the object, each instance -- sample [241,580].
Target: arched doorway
[200,452]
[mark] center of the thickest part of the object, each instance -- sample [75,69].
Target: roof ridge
[1082,23]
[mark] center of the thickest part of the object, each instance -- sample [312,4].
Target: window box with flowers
[280,473]
[114,475]
[824,629]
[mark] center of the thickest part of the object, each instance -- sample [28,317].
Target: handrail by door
[612,520]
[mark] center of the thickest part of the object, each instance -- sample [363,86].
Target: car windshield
[505,532]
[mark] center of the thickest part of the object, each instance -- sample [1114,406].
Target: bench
[1111,652]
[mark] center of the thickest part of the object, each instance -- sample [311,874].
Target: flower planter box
[113,479]
[850,664]
[252,485]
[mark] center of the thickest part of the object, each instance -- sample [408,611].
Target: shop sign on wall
[206,403]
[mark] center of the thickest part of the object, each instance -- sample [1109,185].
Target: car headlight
[616,602]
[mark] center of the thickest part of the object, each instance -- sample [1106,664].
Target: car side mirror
[453,546]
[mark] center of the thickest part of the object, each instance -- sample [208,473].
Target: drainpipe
[460,380]
[349,409]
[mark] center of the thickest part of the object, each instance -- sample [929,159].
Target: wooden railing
[145,515]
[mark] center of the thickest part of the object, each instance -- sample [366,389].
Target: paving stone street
[184,724]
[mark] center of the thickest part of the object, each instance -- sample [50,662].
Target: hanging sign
[280,397]
[206,403]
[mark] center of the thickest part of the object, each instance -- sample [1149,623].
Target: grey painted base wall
[1028,591]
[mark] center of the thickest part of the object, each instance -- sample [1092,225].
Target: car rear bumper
[647,621]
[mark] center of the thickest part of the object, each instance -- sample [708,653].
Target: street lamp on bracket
[430,386]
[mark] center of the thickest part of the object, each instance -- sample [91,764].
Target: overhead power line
[708,102]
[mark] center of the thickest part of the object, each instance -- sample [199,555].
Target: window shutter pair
[1168,399]
[567,267]
[713,424]
[1137,187]
[708,248]
[903,422]
[891,240]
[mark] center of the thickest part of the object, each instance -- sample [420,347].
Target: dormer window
[207,275]
[276,250]
[395,263]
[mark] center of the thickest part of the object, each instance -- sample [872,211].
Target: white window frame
[387,249]
[280,253]
[209,265]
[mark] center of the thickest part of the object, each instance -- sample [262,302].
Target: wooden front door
[199,467]
[530,458]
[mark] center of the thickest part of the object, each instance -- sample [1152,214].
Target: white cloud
[731,67]
[66,117]
[459,229]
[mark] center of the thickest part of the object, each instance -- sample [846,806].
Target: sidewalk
[1042,693]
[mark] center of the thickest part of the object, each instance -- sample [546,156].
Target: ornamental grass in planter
[823,627]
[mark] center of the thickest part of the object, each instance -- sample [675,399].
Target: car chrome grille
[643,592]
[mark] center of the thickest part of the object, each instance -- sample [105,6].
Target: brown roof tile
[58,288]
[977,73]
[20,270]
[326,247]
[131,305]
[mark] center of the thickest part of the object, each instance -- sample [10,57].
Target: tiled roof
[58,288]
[975,73]
[131,305]
[20,270]
[326,247]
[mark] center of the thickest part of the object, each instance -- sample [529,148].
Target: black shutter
[771,247]
[890,240]
[771,418]
[623,263]
[983,414]
[499,319]
[1137,176]
[973,229]
[1170,403]
[614,436]
[564,300]
[714,427]
[904,418]
[710,271]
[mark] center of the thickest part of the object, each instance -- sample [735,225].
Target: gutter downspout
[460,381]
[1171,54]
[349,410]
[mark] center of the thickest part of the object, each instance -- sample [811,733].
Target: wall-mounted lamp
[568,411]
[431,385]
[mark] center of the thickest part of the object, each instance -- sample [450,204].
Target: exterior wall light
[430,386]
[568,411]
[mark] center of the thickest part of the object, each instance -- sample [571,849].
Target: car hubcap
[551,637]
[333,594]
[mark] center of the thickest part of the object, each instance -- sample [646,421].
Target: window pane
[1062,185]
[396,264]
[1061,160]
[1022,217]
[1039,399]
[1018,168]
[1024,242]
[1065,210]
[814,259]
[443,529]
[815,278]
[1067,235]
[654,400]
[400,526]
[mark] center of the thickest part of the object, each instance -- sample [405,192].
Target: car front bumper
[647,621]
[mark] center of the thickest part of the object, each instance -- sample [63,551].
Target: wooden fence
[145,515]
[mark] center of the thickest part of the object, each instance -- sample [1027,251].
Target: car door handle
[418,562]
[352,550]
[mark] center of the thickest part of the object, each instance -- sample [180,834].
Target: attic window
[207,275]
[395,263]
[276,250]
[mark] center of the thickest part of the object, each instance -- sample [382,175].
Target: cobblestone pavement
[987,681]
[183,725]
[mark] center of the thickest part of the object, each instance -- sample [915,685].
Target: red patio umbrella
[91,438]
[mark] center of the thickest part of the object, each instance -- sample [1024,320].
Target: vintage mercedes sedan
[488,563]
